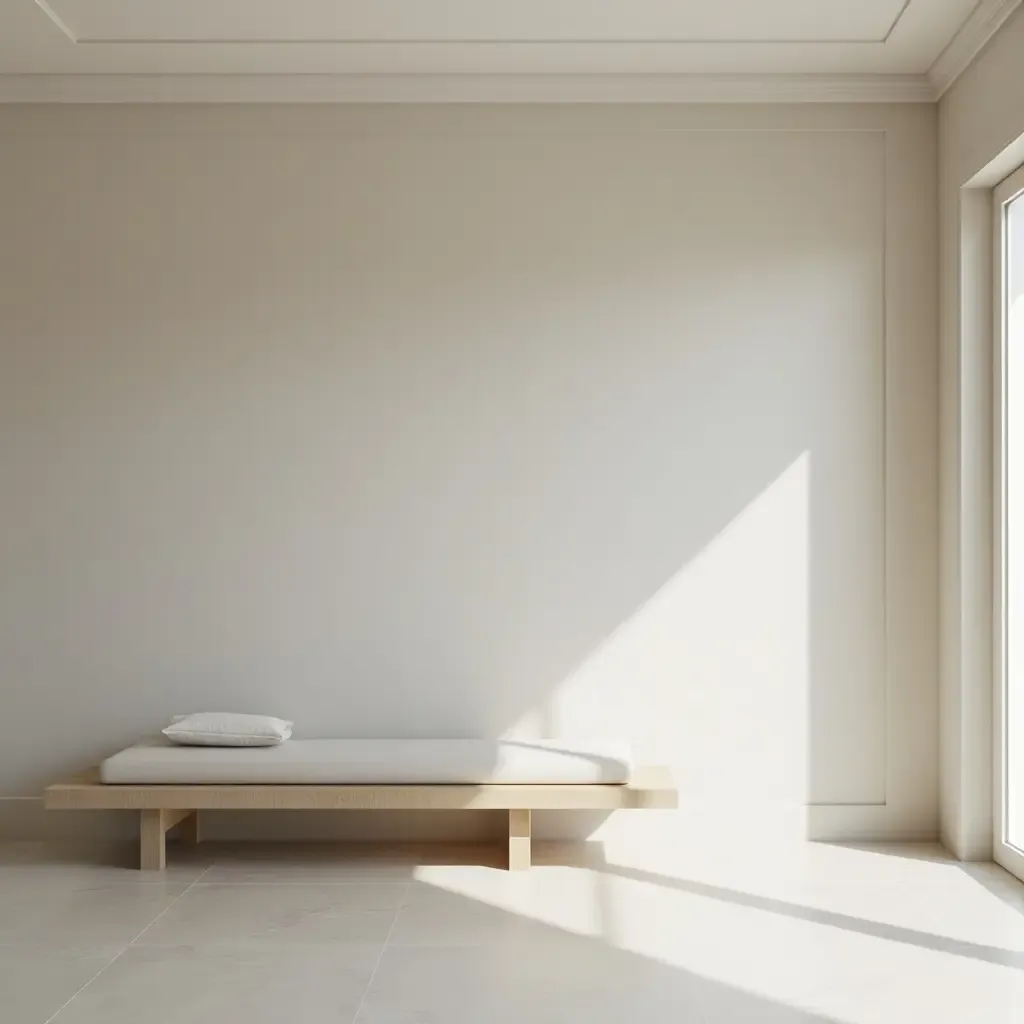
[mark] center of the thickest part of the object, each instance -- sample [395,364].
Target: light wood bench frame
[161,807]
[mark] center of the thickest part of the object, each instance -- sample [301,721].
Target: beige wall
[981,122]
[480,421]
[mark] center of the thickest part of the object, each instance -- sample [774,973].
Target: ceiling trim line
[896,20]
[56,19]
[466,88]
[983,23]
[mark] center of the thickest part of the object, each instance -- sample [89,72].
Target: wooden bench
[161,807]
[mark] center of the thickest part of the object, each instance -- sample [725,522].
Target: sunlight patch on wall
[710,676]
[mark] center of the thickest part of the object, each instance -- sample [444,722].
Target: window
[1009,574]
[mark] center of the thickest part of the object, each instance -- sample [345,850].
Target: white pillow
[223,729]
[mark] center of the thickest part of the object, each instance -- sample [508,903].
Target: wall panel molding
[466,88]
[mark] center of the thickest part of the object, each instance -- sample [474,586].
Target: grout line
[168,907]
[126,948]
[383,949]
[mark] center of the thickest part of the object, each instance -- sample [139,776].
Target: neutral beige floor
[798,933]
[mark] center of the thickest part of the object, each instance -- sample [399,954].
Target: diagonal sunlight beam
[828,918]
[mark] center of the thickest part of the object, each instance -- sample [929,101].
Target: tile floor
[802,933]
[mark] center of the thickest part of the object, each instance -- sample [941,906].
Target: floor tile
[99,918]
[957,990]
[560,898]
[224,914]
[582,981]
[35,984]
[301,985]
[734,1006]
[447,919]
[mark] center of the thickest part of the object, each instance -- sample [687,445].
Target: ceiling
[337,49]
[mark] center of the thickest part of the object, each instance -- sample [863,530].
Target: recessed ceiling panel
[198,21]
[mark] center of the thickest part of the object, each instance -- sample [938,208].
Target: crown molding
[466,88]
[85,40]
[984,22]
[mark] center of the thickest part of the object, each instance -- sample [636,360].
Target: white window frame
[1004,853]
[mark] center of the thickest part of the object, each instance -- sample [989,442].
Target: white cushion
[222,729]
[377,762]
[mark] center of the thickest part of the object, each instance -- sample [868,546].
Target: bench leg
[152,847]
[153,826]
[189,830]
[518,840]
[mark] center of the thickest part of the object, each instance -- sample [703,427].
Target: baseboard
[842,823]
[26,818]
